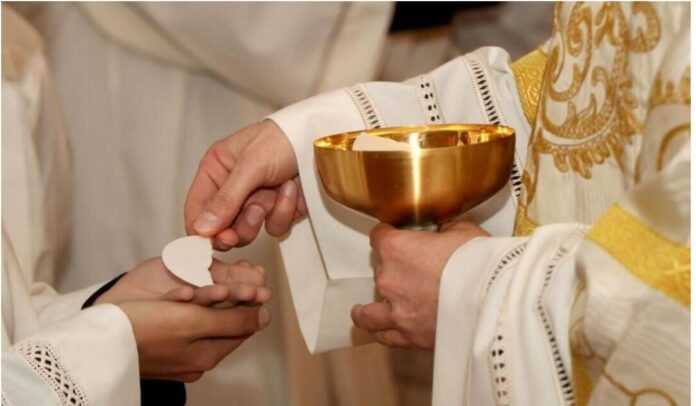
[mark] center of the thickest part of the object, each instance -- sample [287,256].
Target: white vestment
[52,353]
[591,302]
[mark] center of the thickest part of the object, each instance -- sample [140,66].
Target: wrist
[102,294]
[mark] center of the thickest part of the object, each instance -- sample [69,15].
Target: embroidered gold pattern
[524,225]
[684,129]
[668,92]
[585,361]
[528,72]
[599,129]
[658,262]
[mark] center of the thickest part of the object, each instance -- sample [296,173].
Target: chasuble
[583,293]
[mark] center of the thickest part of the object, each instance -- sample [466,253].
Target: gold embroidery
[524,225]
[591,134]
[582,358]
[658,262]
[588,366]
[528,72]
[681,129]
[634,396]
[669,92]
[665,93]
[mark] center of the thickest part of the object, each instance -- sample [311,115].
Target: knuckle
[383,283]
[247,321]
[207,360]
[260,278]
[384,338]
[222,199]
[190,378]
[399,317]
[389,245]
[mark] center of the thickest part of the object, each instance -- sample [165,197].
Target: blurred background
[121,100]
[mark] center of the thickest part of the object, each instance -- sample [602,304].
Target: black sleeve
[152,391]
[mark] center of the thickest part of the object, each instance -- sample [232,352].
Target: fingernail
[288,189]
[254,215]
[264,317]
[206,222]
[223,245]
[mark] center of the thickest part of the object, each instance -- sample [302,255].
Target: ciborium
[447,170]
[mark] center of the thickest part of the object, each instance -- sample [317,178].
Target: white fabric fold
[507,288]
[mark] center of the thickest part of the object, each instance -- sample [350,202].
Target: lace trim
[43,360]
[508,259]
[493,113]
[367,109]
[429,101]
[564,379]
[498,362]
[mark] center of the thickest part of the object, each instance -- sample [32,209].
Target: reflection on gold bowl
[450,169]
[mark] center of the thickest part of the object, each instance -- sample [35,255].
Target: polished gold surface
[450,169]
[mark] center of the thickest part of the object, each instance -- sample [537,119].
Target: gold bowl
[450,169]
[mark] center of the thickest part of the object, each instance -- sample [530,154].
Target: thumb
[224,207]
[472,229]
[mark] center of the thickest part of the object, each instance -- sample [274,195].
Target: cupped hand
[150,280]
[409,265]
[243,180]
[181,341]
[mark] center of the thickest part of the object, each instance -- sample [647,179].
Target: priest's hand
[408,268]
[243,180]
[180,341]
[234,283]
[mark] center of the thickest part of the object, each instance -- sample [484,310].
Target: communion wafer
[189,258]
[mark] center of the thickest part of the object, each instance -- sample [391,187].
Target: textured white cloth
[52,353]
[340,236]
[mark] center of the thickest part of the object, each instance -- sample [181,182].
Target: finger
[372,317]
[379,234]
[208,295]
[301,203]
[245,294]
[248,224]
[235,322]
[211,175]
[263,296]
[238,274]
[187,377]
[283,214]
[180,294]
[225,240]
[391,338]
[241,292]
[223,208]
[458,226]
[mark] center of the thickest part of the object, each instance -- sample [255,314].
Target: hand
[407,274]
[180,341]
[242,180]
[149,280]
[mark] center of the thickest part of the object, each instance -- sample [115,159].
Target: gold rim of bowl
[475,134]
